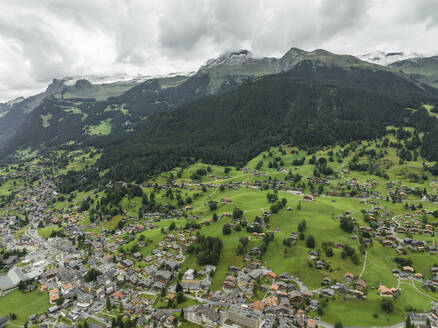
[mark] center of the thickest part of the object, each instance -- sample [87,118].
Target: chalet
[137,256]
[159,316]
[309,198]
[158,286]
[328,292]
[271,274]
[326,281]
[258,306]
[400,250]
[271,301]
[295,296]
[401,229]
[429,285]
[418,276]
[163,276]
[284,276]
[385,291]
[348,276]
[127,263]
[230,282]
[428,232]
[413,230]
[360,284]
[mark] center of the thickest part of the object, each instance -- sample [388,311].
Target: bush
[237,213]
[355,259]
[387,305]
[329,252]
[212,206]
[403,261]
[302,226]
[226,230]
[310,242]
[347,224]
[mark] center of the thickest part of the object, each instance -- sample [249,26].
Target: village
[94,274]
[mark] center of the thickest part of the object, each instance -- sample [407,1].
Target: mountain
[5,107]
[387,58]
[83,112]
[18,111]
[14,113]
[311,104]
[422,69]
[294,56]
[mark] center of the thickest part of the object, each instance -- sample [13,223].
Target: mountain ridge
[68,113]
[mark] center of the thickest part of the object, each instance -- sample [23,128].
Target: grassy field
[122,108]
[46,120]
[75,110]
[369,313]
[98,91]
[161,303]
[101,129]
[24,304]
[47,231]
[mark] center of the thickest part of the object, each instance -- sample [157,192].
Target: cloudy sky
[44,39]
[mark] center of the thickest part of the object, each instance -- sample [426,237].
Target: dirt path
[424,294]
[364,264]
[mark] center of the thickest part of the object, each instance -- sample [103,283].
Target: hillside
[327,227]
[312,104]
[16,113]
[424,69]
[80,111]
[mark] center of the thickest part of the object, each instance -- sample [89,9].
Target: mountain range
[231,108]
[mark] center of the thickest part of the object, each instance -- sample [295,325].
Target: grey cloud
[424,12]
[43,39]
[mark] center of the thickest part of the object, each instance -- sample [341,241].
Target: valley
[362,233]
[298,191]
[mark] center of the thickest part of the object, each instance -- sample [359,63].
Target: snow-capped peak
[104,79]
[386,58]
[229,58]
[118,78]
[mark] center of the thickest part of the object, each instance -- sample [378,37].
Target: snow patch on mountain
[386,58]
[12,102]
[229,58]
[118,78]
